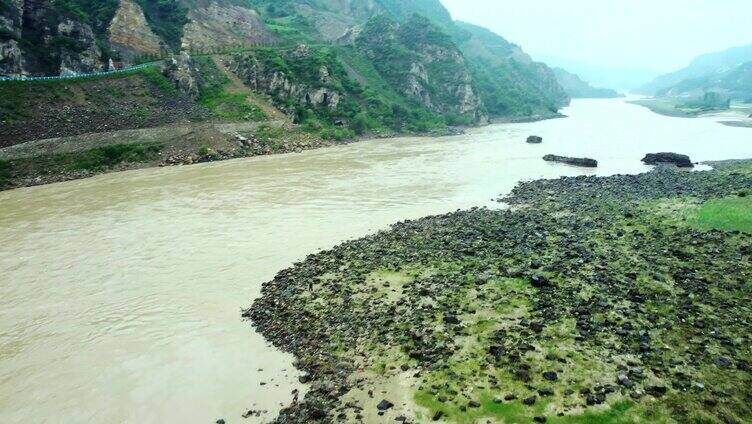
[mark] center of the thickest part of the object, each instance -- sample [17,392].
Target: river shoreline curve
[583,299]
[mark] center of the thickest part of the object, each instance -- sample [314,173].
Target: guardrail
[77,76]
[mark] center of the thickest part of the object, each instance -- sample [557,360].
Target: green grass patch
[731,214]
[223,104]
[515,412]
[103,158]
[153,74]
[232,106]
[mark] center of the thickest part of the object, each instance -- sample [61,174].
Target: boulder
[682,161]
[534,139]
[384,405]
[584,162]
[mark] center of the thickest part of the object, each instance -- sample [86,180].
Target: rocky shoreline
[588,300]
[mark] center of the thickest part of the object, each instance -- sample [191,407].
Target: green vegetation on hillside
[223,103]
[96,13]
[166,18]
[367,102]
[509,82]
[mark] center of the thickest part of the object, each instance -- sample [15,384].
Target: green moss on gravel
[590,301]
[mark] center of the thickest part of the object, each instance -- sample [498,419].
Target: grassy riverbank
[684,109]
[592,300]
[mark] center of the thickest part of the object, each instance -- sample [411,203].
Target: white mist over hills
[619,44]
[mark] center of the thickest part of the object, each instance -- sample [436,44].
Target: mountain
[621,78]
[710,66]
[509,81]
[333,66]
[575,87]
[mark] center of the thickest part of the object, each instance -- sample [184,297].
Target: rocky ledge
[583,162]
[589,300]
[682,161]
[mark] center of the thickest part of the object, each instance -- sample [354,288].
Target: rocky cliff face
[130,34]
[40,37]
[423,62]
[182,72]
[309,84]
[84,55]
[219,25]
[10,36]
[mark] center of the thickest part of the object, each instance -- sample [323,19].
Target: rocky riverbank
[57,160]
[589,300]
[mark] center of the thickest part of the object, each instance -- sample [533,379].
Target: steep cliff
[423,63]
[130,34]
[224,25]
[510,82]
[10,36]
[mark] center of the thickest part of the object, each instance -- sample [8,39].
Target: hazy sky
[662,35]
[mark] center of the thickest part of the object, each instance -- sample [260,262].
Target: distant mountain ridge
[575,87]
[708,68]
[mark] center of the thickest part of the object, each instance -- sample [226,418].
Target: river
[120,295]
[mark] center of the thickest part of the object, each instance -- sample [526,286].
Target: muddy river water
[120,295]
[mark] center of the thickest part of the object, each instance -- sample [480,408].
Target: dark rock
[539,281]
[530,400]
[550,376]
[724,362]
[437,416]
[534,139]
[497,351]
[451,319]
[546,392]
[539,419]
[656,391]
[384,405]
[584,162]
[474,404]
[625,381]
[682,161]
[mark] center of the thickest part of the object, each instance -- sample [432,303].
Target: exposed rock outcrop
[423,63]
[583,162]
[85,56]
[285,88]
[184,74]
[10,35]
[682,161]
[130,34]
[218,25]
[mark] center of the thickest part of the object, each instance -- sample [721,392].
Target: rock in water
[682,161]
[534,139]
[584,162]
